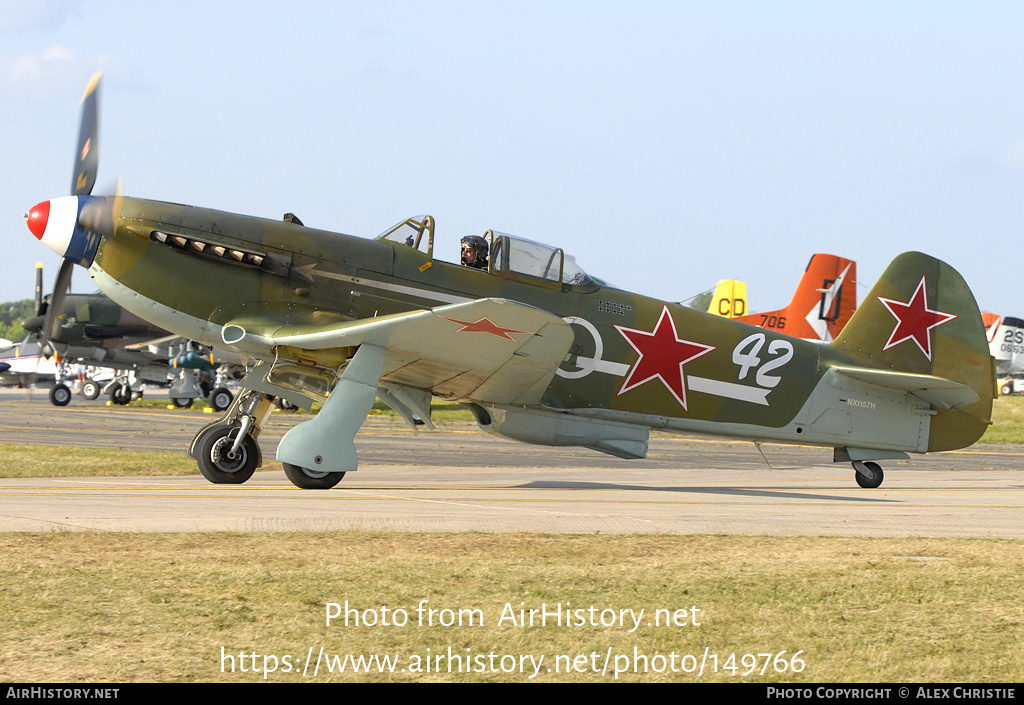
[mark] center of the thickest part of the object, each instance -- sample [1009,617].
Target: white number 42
[747,354]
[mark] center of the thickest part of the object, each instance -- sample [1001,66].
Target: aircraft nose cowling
[38,217]
[55,224]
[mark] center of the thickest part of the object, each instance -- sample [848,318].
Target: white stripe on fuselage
[396,288]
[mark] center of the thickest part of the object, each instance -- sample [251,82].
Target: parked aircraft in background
[823,303]
[534,346]
[92,330]
[29,362]
[24,364]
[1006,343]
[729,299]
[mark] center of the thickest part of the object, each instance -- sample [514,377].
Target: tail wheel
[311,479]
[221,466]
[869,475]
[60,395]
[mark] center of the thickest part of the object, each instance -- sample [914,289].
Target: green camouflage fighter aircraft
[539,351]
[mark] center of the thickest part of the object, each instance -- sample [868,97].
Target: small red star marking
[914,320]
[484,325]
[662,356]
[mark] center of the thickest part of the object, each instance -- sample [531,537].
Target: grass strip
[80,607]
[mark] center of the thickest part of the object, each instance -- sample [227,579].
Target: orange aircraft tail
[823,303]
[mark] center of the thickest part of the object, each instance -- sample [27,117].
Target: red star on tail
[662,356]
[914,320]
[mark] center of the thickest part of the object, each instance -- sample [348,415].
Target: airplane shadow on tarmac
[576,485]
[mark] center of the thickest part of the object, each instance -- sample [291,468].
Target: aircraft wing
[490,350]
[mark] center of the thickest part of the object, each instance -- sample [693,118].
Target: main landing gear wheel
[311,479]
[874,480]
[220,399]
[60,395]
[90,390]
[182,403]
[121,394]
[216,461]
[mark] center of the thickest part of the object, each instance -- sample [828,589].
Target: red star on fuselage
[484,325]
[662,356]
[914,320]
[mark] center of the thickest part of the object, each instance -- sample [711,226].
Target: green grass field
[79,607]
[1007,421]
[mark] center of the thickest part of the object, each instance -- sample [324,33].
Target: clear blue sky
[665,144]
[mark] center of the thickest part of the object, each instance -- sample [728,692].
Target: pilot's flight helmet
[479,245]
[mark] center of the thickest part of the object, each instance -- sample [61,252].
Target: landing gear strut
[120,393]
[869,475]
[226,450]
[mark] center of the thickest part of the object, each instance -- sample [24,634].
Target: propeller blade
[83,178]
[60,288]
[39,287]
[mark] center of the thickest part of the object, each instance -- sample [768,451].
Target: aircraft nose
[37,219]
[54,223]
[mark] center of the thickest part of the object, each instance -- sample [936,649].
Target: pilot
[474,252]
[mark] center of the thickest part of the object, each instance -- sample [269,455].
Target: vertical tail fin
[921,318]
[822,304]
[829,286]
[729,299]
[1005,342]
[992,322]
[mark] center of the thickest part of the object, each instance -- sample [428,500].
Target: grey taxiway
[460,479]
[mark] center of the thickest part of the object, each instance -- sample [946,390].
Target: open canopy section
[416,232]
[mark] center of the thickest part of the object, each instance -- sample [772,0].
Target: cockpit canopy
[510,256]
[516,255]
[416,232]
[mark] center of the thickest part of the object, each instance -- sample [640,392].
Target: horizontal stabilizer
[938,391]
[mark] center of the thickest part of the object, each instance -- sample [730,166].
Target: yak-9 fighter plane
[539,350]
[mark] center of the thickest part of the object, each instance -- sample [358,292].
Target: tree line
[12,313]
